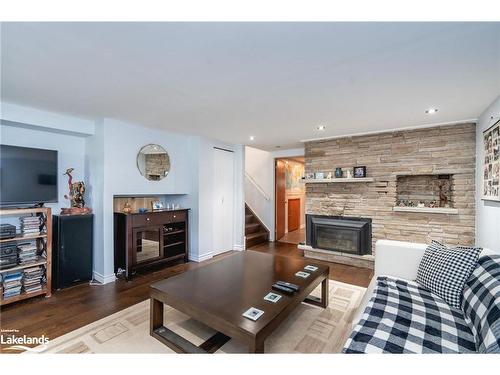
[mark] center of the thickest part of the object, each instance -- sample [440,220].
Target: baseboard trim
[103,279]
[239,247]
[198,258]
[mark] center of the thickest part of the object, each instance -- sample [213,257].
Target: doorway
[289,200]
[224,201]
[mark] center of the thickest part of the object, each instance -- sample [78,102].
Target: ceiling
[274,81]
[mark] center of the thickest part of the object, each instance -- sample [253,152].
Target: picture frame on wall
[359,172]
[491,163]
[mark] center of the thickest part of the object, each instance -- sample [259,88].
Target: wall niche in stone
[427,190]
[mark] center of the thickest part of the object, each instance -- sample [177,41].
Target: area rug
[308,329]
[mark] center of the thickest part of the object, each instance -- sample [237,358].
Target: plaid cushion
[481,304]
[403,317]
[444,271]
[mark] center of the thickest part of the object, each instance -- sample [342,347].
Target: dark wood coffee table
[217,295]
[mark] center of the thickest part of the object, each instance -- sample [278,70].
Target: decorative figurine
[127,208]
[75,196]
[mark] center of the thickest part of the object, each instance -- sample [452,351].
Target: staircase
[255,231]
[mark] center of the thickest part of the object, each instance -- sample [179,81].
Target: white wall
[94,180]
[487,212]
[189,182]
[112,154]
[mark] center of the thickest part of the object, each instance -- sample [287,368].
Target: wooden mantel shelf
[428,210]
[337,180]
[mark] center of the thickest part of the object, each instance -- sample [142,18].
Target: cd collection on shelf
[27,252]
[30,224]
[12,284]
[28,280]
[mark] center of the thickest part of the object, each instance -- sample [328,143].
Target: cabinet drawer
[158,218]
[177,216]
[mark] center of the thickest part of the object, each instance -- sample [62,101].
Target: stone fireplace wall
[439,150]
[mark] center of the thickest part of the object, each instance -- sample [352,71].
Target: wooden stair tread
[256,234]
[255,231]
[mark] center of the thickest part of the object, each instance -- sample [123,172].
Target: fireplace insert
[351,235]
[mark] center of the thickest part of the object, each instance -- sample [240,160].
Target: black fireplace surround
[351,235]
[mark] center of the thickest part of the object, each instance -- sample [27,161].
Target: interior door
[293,214]
[223,215]
[280,198]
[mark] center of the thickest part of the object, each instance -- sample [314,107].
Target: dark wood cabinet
[144,240]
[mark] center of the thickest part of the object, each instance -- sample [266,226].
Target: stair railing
[257,186]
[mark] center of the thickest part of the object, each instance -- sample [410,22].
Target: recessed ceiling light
[431,111]
[321,127]
[252,137]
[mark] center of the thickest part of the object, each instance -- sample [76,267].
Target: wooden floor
[340,272]
[295,237]
[75,307]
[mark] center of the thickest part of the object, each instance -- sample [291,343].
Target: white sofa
[396,263]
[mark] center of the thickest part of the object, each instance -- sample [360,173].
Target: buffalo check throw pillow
[444,271]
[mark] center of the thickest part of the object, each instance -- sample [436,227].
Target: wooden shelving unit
[24,296]
[46,237]
[25,238]
[41,261]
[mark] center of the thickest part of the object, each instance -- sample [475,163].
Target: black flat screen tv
[28,176]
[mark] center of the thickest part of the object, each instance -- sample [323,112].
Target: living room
[250,187]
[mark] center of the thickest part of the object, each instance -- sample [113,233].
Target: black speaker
[72,249]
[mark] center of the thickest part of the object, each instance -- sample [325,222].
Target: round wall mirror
[153,162]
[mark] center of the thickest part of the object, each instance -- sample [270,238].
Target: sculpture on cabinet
[75,196]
